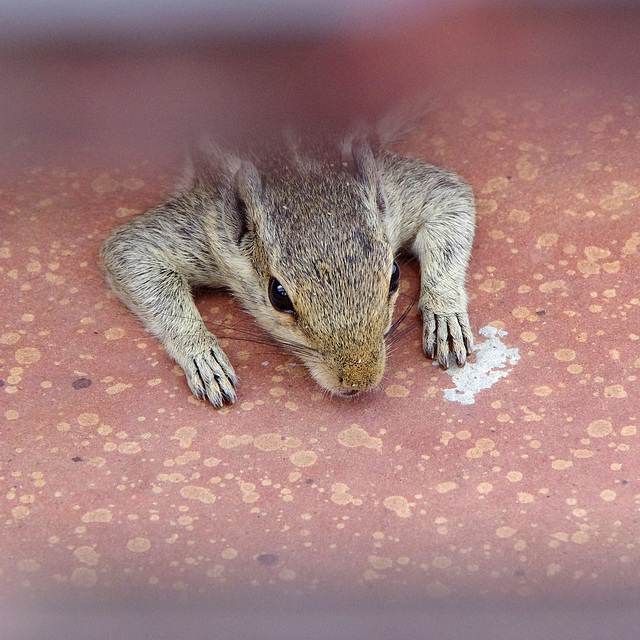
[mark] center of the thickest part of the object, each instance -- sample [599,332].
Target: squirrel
[306,239]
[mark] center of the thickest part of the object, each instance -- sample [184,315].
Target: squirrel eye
[279,297]
[395,279]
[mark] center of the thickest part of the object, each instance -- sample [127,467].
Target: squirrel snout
[345,373]
[362,374]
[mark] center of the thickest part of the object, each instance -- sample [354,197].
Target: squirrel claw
[446,335]
[211,376]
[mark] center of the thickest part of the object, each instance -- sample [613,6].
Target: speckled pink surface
[116,481]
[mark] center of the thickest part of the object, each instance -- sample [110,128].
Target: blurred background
[141,77]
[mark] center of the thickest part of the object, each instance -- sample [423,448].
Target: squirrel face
[343,336]
[324,267]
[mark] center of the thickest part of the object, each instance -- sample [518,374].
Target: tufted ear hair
[364,162]
[365,168]
[206,161]
[247,198]
[358,155]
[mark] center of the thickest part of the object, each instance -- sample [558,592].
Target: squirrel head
[323,280]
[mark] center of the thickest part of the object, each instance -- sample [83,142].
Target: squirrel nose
[361,375]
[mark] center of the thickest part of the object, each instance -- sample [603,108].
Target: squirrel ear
[204,163]
[247,192]
[365,163]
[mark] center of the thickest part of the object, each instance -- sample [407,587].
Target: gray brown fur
[327,223]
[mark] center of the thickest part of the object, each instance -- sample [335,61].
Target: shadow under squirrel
[305,238]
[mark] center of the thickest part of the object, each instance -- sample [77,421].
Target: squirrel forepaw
[210,375]
[445,335]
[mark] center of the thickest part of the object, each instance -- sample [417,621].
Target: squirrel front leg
[149,278]
[432,212]
[443,247]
